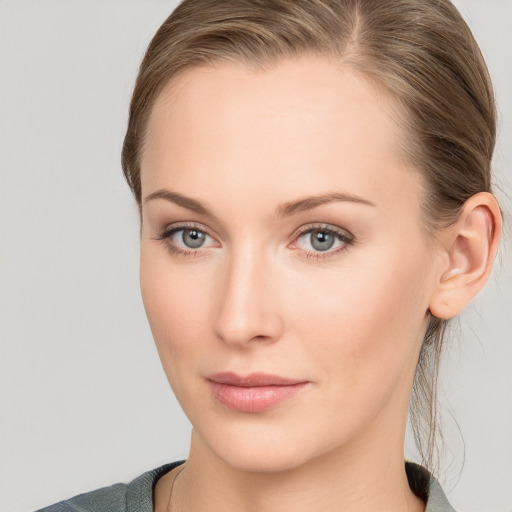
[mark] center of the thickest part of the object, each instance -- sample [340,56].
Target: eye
[185,240]
[320,239]
[191,238]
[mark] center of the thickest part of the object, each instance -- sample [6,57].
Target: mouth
[253,393]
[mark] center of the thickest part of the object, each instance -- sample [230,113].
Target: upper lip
[253,379]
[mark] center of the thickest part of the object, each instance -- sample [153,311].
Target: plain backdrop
[84,401]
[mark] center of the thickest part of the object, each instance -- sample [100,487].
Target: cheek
[176,307]
[363,325]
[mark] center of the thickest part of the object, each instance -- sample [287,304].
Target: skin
[258,297]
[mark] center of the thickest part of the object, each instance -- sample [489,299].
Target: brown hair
[420,51]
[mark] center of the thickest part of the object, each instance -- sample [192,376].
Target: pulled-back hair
[420,51]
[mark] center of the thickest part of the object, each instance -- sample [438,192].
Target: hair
[420,51]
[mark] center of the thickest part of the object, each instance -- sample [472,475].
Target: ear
[468,250]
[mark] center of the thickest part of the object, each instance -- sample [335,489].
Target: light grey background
[84,401]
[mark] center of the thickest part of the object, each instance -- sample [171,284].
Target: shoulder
[136,496]
[111,499]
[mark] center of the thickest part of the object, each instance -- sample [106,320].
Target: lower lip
[255,398]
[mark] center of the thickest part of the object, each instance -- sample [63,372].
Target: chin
[261,460]
[262,449]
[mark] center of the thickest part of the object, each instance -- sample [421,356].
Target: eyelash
[167,234]
[343,236]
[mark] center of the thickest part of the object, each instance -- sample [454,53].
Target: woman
[313,181]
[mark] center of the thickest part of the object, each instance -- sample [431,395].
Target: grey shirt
[137,496]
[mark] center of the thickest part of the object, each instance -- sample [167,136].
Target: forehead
[307,120]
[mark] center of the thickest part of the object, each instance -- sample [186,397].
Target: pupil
[322,241]
[193,238]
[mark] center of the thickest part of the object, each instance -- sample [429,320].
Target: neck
[361,477]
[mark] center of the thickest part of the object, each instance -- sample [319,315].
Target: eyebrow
[284,210]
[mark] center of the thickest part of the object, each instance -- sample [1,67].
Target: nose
[248,303]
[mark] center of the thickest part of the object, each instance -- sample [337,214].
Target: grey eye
[322,240]
[192,238]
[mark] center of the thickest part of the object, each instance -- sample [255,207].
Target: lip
[256,392]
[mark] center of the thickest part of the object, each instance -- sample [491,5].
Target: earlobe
[469,247]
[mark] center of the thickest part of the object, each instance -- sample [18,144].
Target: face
[282,235]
